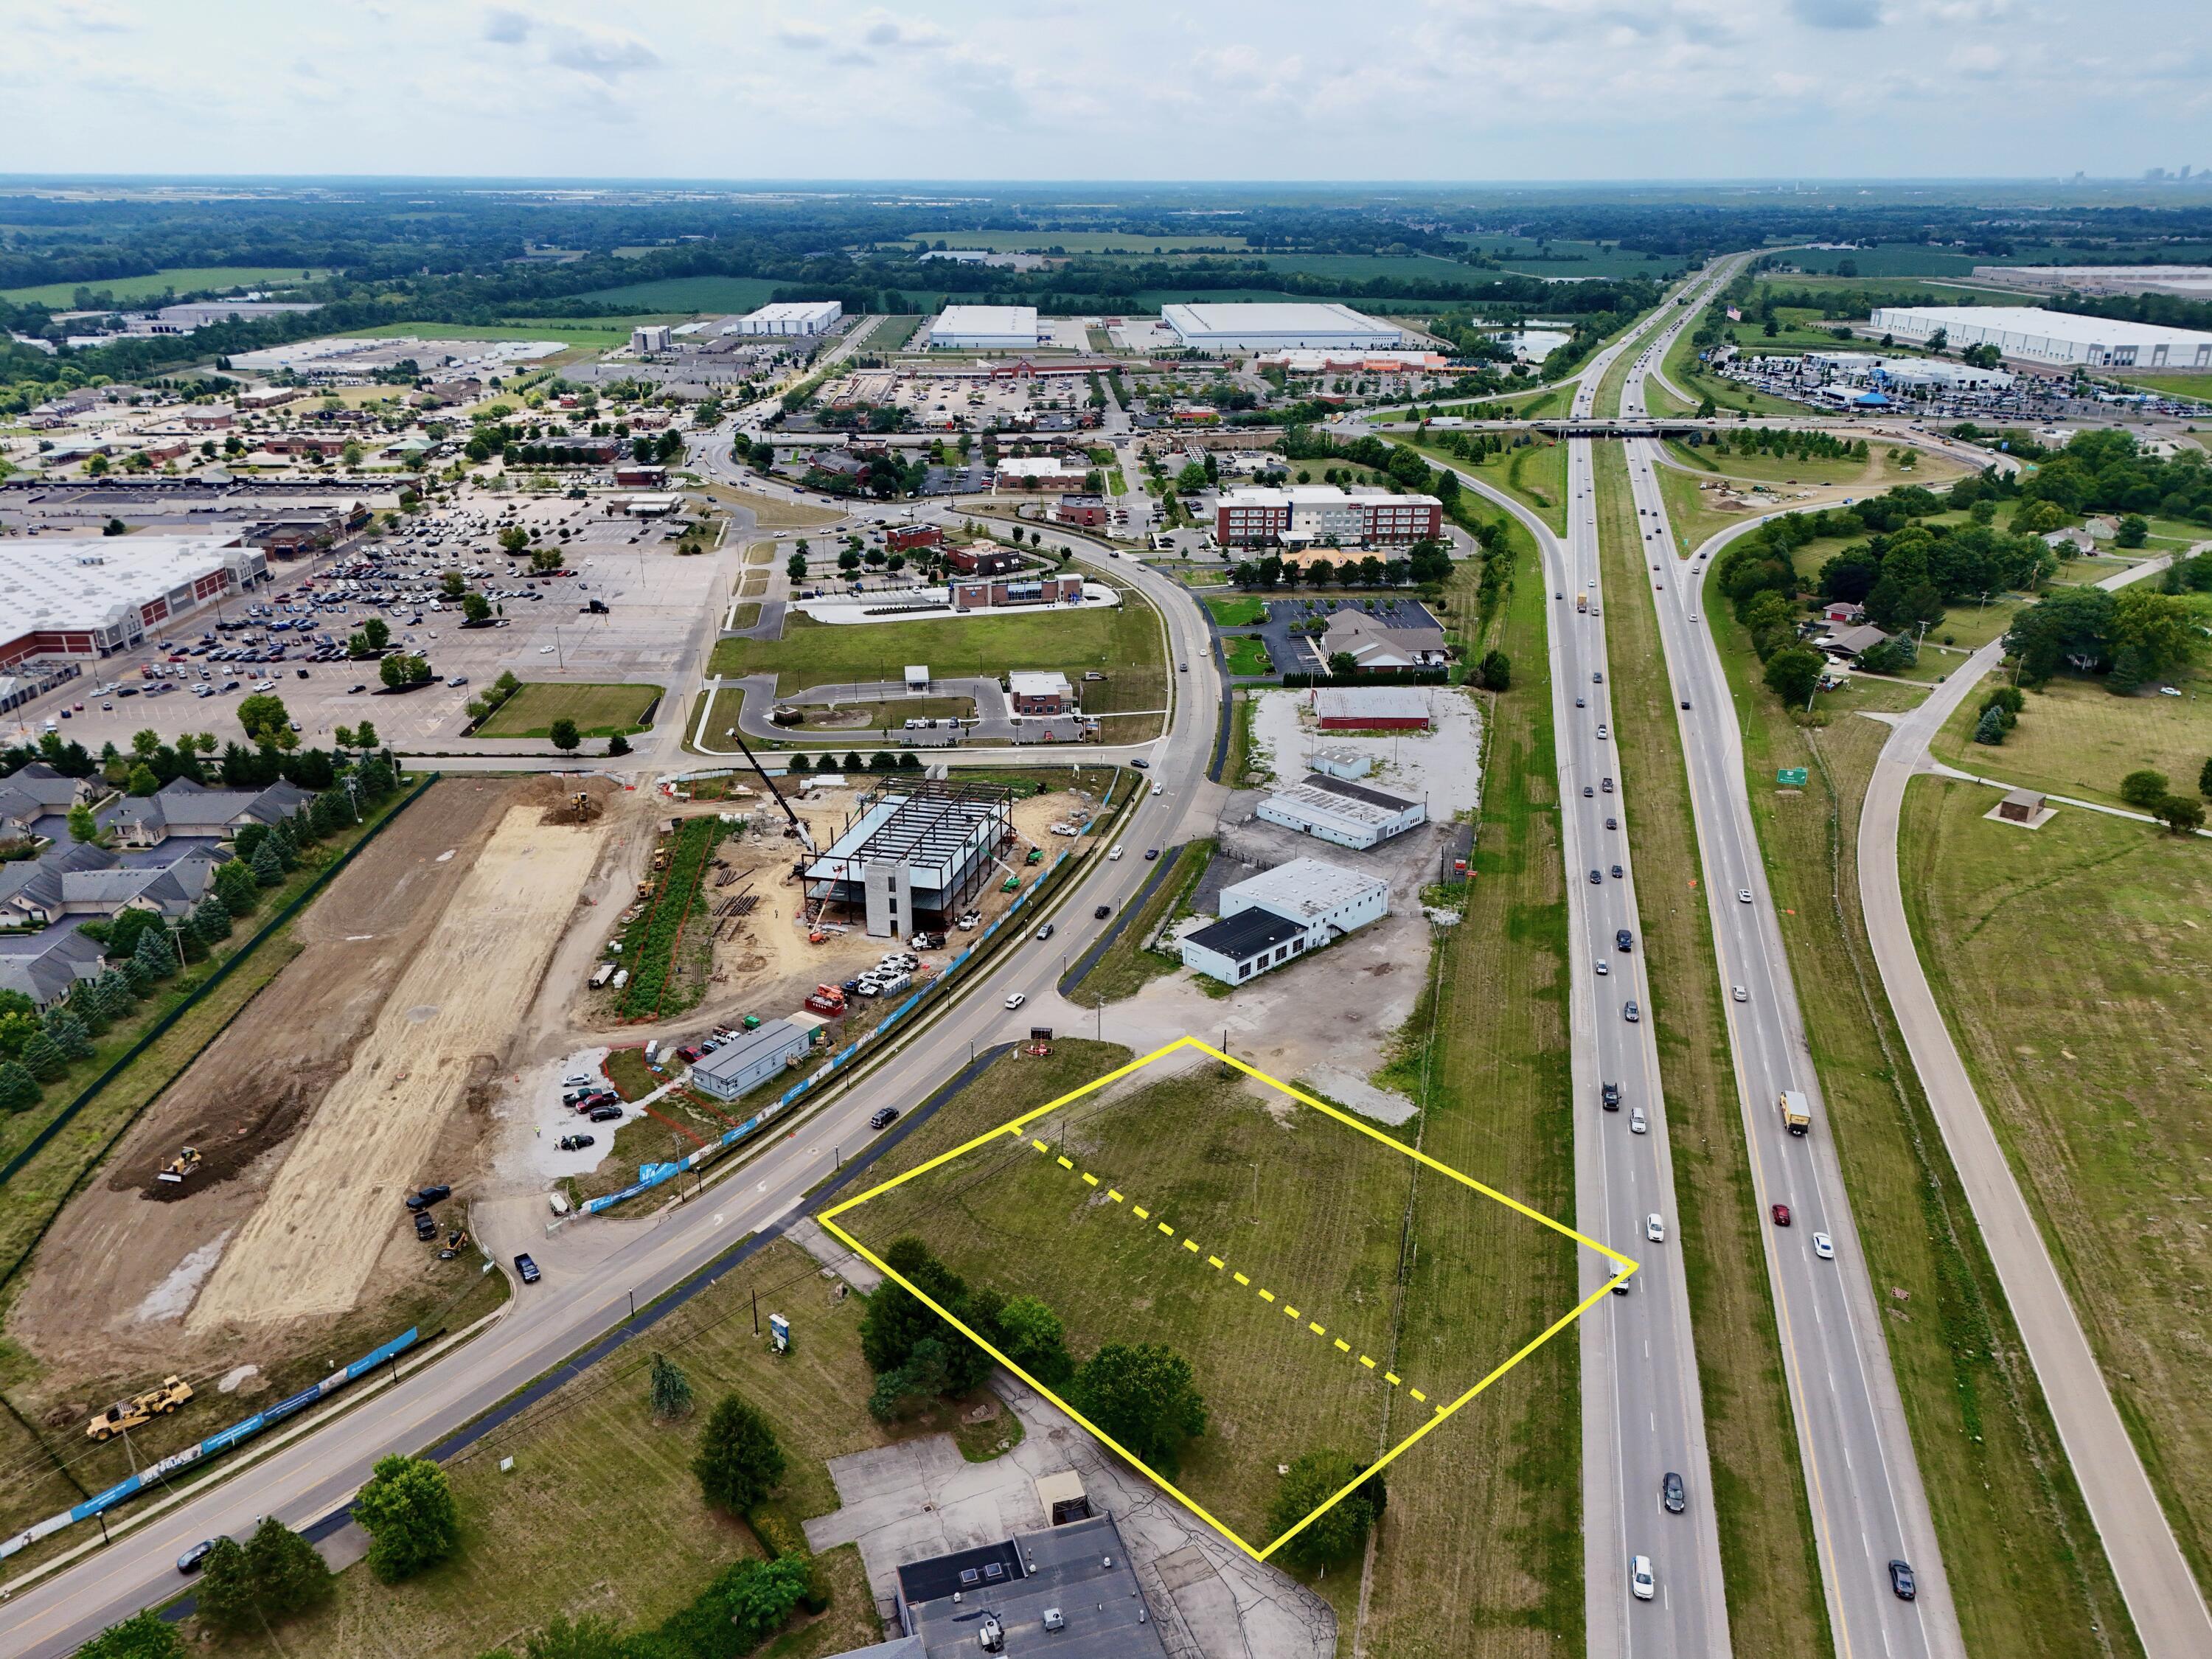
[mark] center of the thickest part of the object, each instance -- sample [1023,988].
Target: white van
[557,1202]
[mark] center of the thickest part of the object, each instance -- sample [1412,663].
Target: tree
[2144,788]
[564,734]
[2204,779]
[1031,1334]
[43,1057]
[1496,671]
[1991,728]
[274,1574]
[143,780]
[1343,665]
[365,735]
[82,824]
[407,1508]
[268,867]
[547,559]
[2134,530]
[1142,1395]
[19,1090]
[143,1636]
[617,745]
[2182,814]
[1338,1534]
[476,608]
[671,1389]
[514,538]
[740,1463]
[156,955]
[795,566]
[1793,671]
[68,1033]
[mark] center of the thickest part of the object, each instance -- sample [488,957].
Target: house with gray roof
[182,807]
[36,792]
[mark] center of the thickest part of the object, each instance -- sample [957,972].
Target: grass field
[585,336]
[2024,1564]
[1073,241]
[2061,958]
[1768,1560]
[2075,737]
[1243,612]
[182,279]
[774,512]
[1903,289]
[1875,473]
[1598,258]
[592,1464]
[688,294]
[1248,655]
[599,711]
[2198,386]
[1124,966]
[1536,473]
[1124,643]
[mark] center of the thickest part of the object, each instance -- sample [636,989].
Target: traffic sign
[1791,776]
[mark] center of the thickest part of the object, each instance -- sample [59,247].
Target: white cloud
[1837,14]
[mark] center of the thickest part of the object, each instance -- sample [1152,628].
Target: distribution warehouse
[985,328]
[1285,912]
[95,596]
[1277,327]
[2049,337]
[789,317]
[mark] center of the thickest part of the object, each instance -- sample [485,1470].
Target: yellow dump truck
[1796,1111]
[139,1408]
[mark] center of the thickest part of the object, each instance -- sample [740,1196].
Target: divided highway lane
[572,1306]
[1868,1503]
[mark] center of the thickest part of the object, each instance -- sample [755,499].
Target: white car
[1655,1228]
[1637,1125]
[1601,733]
[1601,967]
[1159,789]
[1739,993]
[1640,1579]
[544,650]
[1824,1247]
[1016,1000]
[1114,857]
[1743,896]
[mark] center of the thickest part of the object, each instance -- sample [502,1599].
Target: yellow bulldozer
[180,1166]
[139,1408]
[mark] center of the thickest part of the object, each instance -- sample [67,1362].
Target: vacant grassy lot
[182,279]
[2063,958]
[593,336]
[2077,738]
[1876,473]
[599,711]
[1124,966]
[2198,386]
[1536,473]
[773,511]
[1248,655]
[2024,1564]
[1241,612]
[593,1466]
[1768,1564]
[1123,643]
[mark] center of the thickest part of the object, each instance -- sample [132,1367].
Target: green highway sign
[1794,776]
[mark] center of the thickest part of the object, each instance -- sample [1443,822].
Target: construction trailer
[911,854]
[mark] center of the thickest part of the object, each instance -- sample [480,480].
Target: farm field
[2023,1561]
[1075,241]
[1905,289]
[592,1463]
[686,294]
[1124,643]
[599,711]
[1597,259]
[2060,957]
[2075,737]
[182,279]
[582,334]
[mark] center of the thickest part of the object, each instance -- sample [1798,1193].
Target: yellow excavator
[181,1166]
[139,1408]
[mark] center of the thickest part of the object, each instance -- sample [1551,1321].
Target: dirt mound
[252,1114]
[570,800]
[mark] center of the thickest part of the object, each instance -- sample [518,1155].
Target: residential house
[182,807]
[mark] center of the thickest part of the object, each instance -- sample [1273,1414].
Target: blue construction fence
[654,1174]
[222,1441]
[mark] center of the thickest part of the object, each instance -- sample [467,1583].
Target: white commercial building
[655,337]
[94,596]
[2035,335]
[985,328]
[1281,914]
[1278,327]
[1339,811]
[1905,373]
[789,317]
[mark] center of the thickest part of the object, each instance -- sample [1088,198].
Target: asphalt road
[2162,1596]
[319,1472]
[1867,1505]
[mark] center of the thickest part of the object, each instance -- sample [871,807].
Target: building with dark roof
[1068,1591]
[1236,947]
[182,807]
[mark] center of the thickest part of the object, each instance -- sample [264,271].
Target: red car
[1781,1215]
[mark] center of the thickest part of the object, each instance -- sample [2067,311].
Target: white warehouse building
[985,328]
[789,317]
[1339,811]
[2034,335]
[1278,327]
[1282,913]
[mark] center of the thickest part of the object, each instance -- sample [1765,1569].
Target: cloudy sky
[1134,89]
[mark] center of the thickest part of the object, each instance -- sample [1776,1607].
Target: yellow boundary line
[828,1219]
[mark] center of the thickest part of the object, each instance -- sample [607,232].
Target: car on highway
[1606,784]
[1629,1012]
[883,1117]
[1902,1581]
[1016,1000]
[1047,930]
[575,1143]
[1159,789]
[1601,733]
[1673,1495]
[1141,763]
[1743,896]
[1612,823]
[1101,912]
[1114,857]
[1597,677]
[1616,872]
[1737,993]
[1588,793]
[1824,1247]
[1781,1215]
[1608,1095]
[1150,852]
[1582,702]
[1686,702]
[1623,939]
[526,1267]
[1640,1579]
[1655,1228]
[1600,967]
[196,1558]
[1596,877]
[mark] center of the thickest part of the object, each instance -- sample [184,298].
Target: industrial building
[1305,516]
[646,341]
[789,317]
[2034,335]
[749,1059]
[912,854]
[985,328]
[1278,327]
[1373,709]
[1339,811]
[1068,1591]
[1282,913]
[91,597]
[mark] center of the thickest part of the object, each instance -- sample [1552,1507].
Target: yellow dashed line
[1392,1379]
[1063,1164]
[1143,1214]
[1190,1246]
[1365,1361]
[1287,1309]
[1241,1279]
[1168,1230]
[1040,1146]
[1089,1180]
[1418,1394]
[1266,1295]
[1116,1196]
[1316,1327]
[1344,1345]
[1215,1261]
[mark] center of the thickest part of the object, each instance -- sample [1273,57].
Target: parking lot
[654,599]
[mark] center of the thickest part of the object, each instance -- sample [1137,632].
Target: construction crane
[798,828]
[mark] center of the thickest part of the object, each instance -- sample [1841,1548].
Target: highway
[588,1293]
[1867,1505]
